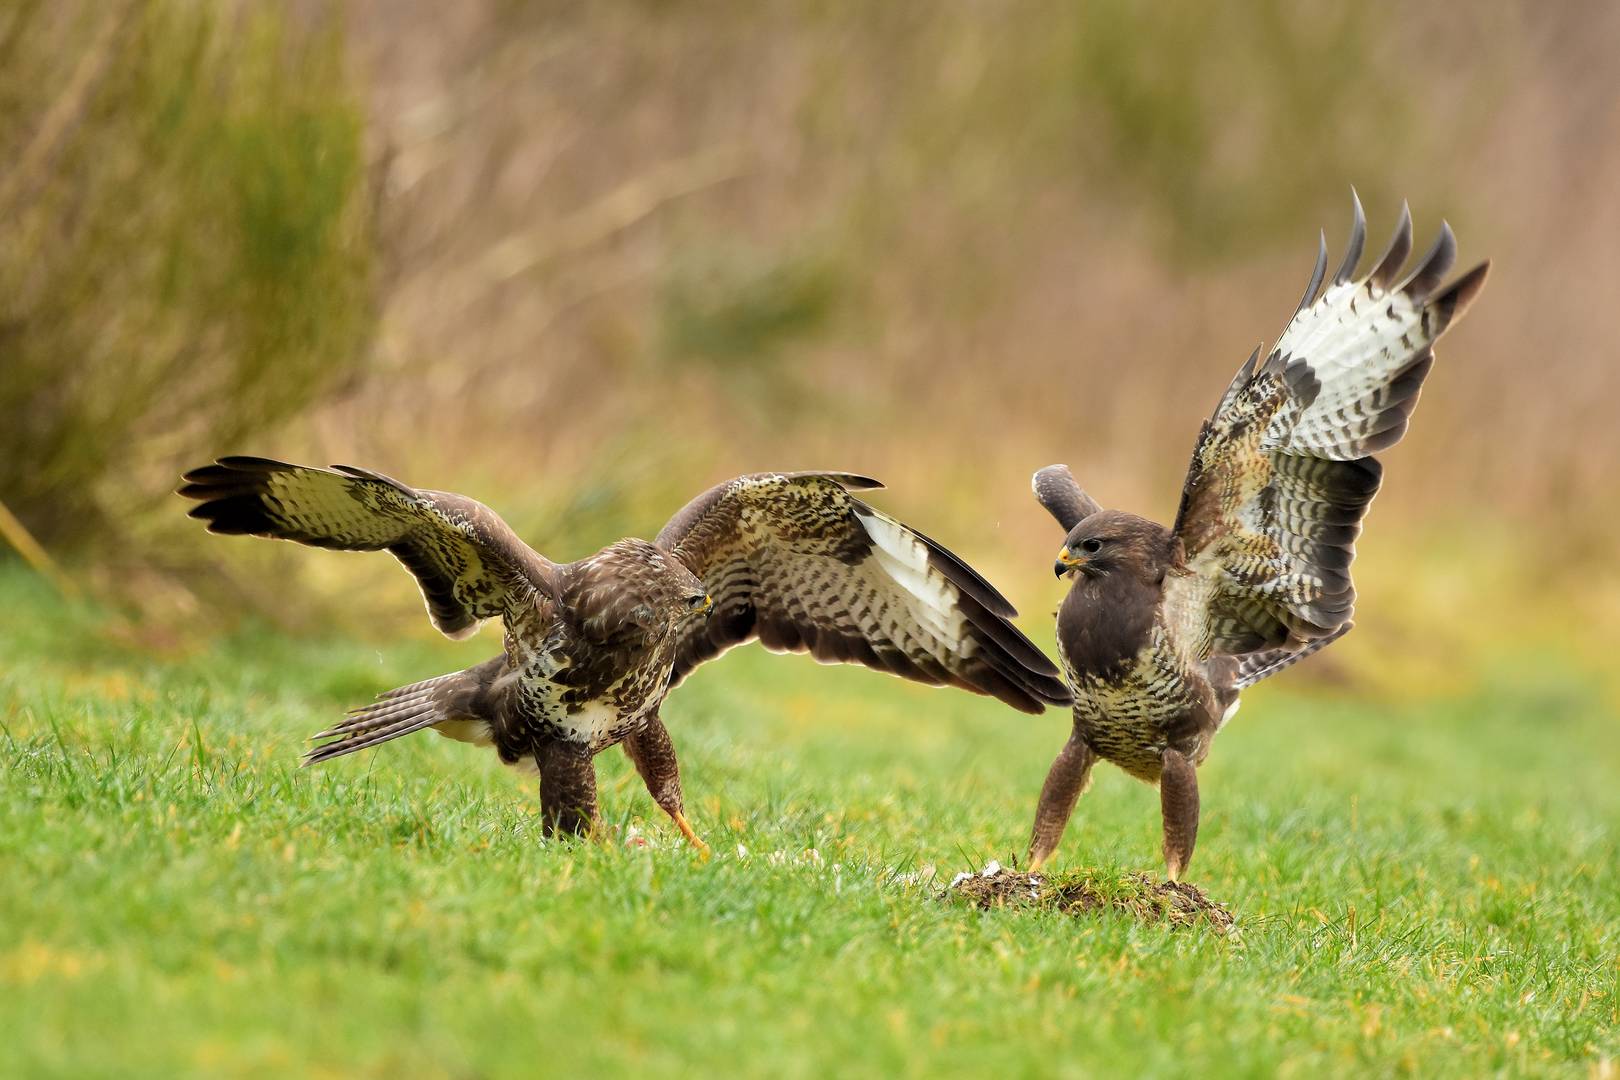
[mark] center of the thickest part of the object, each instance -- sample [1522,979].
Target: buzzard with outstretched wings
[794,560]
[1163,627]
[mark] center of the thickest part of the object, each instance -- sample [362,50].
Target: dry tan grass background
[917,242]
[614,252]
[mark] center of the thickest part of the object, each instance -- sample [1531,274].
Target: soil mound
[1080,893]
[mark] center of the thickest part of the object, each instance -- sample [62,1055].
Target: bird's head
[1113,541]
[683,593]
[658,589]
[692,599]
[697,604]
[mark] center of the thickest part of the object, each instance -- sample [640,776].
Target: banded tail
[446,702]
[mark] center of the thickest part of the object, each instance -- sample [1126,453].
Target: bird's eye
[695,602]
[1091,546]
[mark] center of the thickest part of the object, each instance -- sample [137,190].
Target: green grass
[1425,887]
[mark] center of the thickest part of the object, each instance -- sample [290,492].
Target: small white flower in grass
[742,852]
[811,856]
[776,858]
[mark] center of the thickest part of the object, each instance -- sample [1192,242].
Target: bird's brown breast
[1104,623]
[1134,696]
[572,687]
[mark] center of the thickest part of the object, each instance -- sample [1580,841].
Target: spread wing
[470,565]
[798,562]
[1282,472]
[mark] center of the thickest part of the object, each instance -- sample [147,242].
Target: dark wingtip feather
[248,463]
[1357,241]
[1240,380]
[1009,679]
[1247,370]
[1316,273]
[206,474]
[964,577]
[232,515]
[847,480]
[1400,246]
[233,471]
[1433,267]
[369,474]
[1014,684]
[1451,304]
[999,639]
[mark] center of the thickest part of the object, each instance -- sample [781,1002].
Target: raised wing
[470,565]
[1282,473]
[798,562]
[1056,489]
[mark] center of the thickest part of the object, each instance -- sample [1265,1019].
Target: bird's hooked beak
[1067,563]
[697,608]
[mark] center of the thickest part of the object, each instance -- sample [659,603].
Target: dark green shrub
[186,258]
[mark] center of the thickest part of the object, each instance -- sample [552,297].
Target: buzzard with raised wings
[592,647]
[1162,628]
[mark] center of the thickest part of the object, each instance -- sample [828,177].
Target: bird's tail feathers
[401,711]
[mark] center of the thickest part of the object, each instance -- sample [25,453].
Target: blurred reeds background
[581,260]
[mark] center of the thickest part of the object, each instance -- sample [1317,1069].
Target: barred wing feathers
[1239,672]
[798,562]
[468,562]
[1282,472]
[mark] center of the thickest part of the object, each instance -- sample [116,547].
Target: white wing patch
[1367,346]
[930,598]
[1356,338]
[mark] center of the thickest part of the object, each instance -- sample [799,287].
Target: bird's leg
[1178,801]
[654,755]
[1068,777]
[567,788]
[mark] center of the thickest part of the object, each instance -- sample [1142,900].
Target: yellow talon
[691,835]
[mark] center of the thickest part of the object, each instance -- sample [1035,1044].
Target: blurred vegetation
[582,260]
[1169,140]
[187,261]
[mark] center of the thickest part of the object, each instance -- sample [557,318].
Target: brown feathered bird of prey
[592,647]
[1163,627]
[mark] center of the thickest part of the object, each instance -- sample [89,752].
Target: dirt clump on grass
[1081,893]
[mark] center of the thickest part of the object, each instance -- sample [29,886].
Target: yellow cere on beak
[708,602]
[1066,561]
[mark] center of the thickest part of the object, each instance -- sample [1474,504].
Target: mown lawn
[1424,887]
